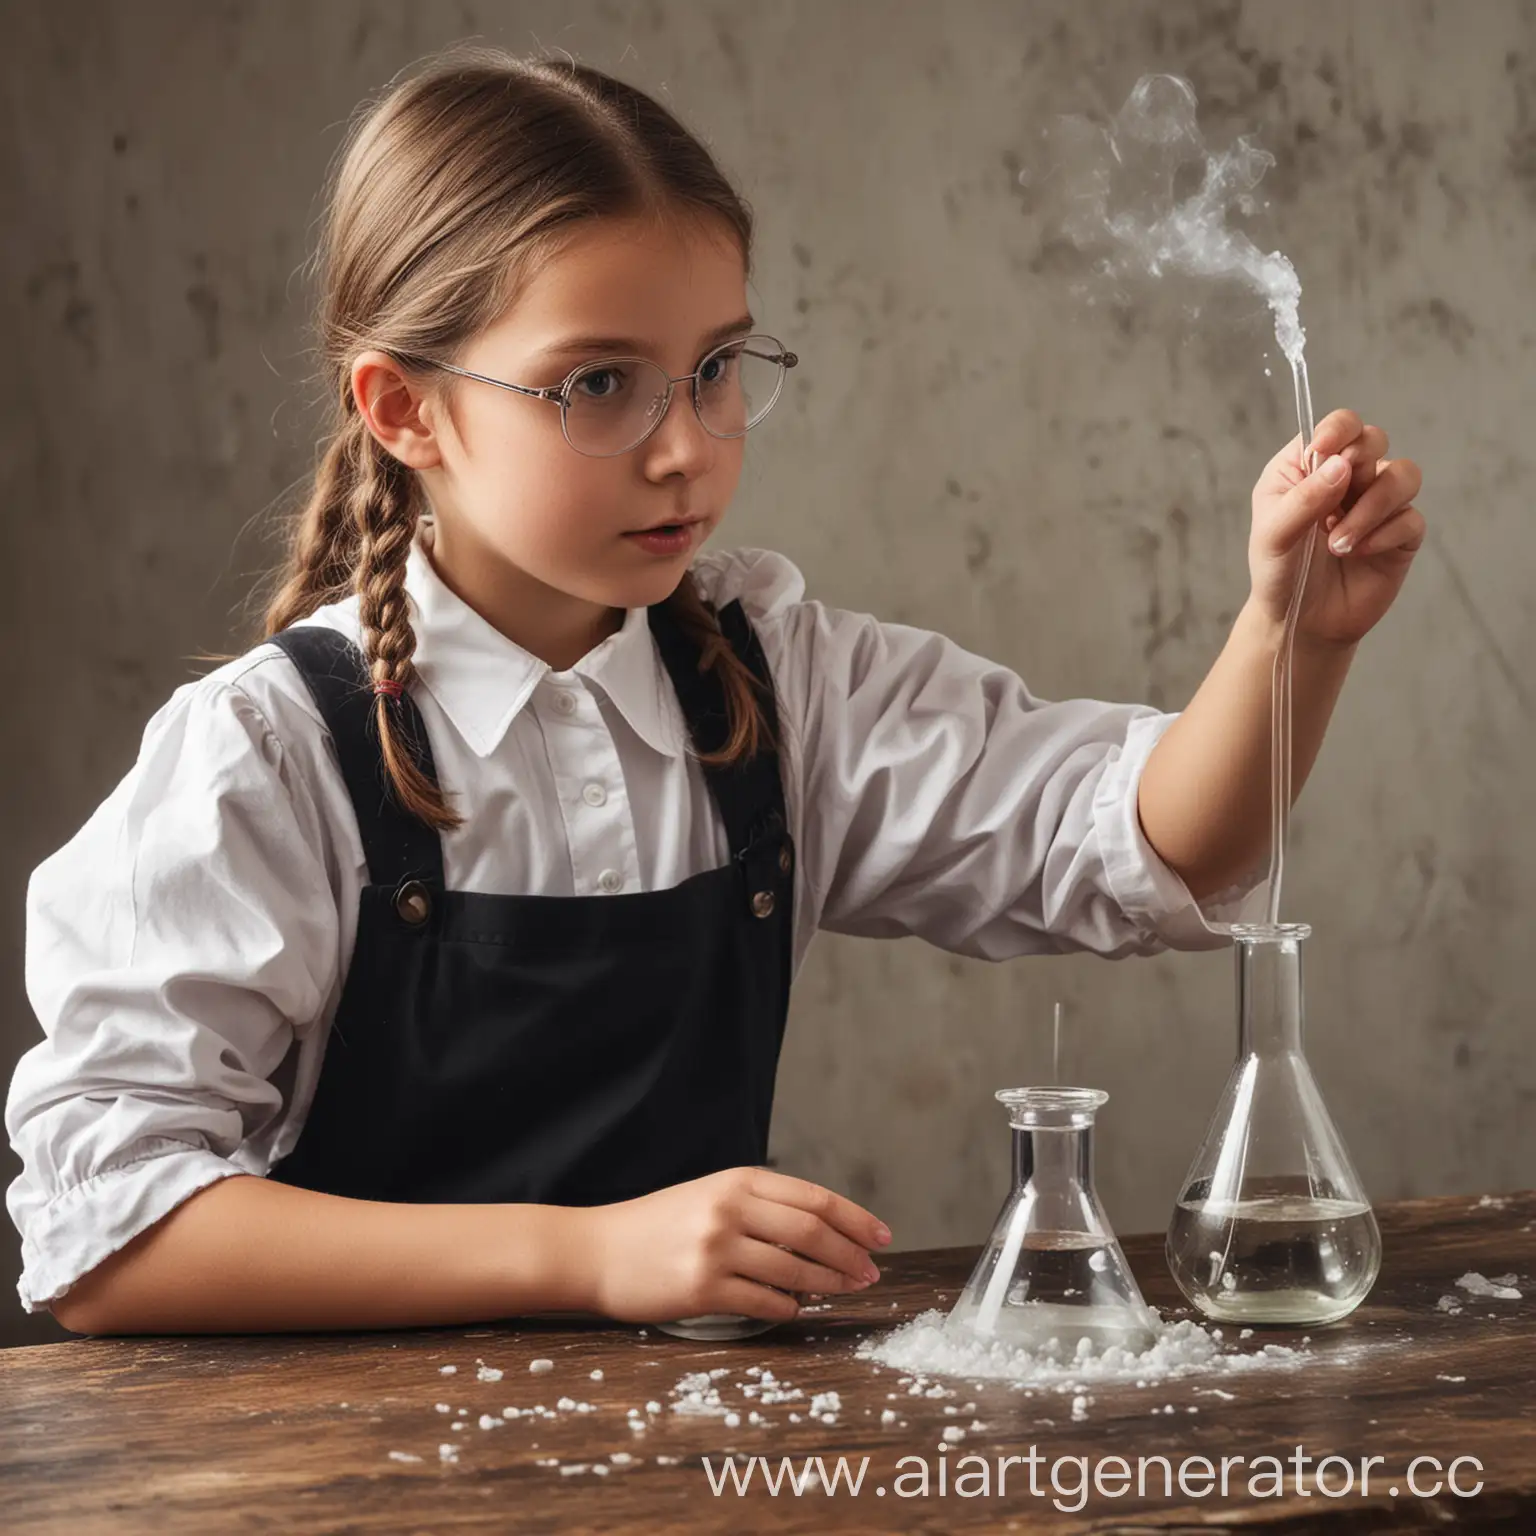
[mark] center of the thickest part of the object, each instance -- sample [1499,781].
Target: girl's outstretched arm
[250,1255]
[1204,796]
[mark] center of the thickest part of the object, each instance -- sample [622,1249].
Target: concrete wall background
[966,448]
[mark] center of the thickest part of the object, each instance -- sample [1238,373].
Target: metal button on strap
[762,903]
[785,858]
[413,903]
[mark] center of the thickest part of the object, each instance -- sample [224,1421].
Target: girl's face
[522,517]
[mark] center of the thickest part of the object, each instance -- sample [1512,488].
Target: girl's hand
[738,1241]
[1369,535]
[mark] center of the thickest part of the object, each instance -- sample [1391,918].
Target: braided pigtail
[323,542]
[750,732]
[383,508]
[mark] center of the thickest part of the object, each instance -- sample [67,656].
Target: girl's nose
[679,445]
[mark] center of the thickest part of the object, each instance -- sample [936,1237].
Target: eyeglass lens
[612,406]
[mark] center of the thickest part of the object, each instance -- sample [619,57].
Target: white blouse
[186,949]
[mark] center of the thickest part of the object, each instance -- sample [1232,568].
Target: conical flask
[1052,1269]
[1272,1224]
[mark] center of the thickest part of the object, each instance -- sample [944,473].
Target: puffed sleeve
[942,799]
[172,946]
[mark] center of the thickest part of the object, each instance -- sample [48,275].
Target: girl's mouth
[667,538]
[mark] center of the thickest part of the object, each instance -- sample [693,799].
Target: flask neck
[1269,999]
[1058,1157]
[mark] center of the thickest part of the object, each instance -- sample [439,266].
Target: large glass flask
[1053,1268]
[1272,1225]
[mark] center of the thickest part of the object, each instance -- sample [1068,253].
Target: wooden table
[296,1434]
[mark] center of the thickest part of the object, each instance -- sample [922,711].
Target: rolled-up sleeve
[172,948]
[944,800]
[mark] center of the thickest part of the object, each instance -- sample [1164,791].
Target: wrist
[576,1252]
[1262,630]
[547,1258]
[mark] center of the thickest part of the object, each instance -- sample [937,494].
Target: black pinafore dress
[566,1050]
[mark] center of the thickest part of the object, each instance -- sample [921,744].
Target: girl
[431,963]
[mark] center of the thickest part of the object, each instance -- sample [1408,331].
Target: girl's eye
[599,384]
[720,367]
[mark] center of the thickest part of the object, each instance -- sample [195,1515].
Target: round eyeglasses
[613,405]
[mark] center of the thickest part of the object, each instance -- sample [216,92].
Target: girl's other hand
[1370,530]
[738,1241]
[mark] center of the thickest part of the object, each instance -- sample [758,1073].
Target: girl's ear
[391,405]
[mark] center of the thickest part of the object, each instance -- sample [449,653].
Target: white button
[595,794]
[565,703]
[610,881]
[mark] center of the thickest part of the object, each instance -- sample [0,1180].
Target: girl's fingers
[1308,502]
[1335,432]
[1366,458]
[749,1299]
[853,1221]
[1403,532]
[808,1234]
[771,1265]
[1391,491]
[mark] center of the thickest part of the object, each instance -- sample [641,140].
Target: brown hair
[448,186]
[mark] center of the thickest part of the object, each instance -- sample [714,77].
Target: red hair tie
[388,688]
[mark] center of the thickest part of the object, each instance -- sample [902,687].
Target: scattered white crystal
[1501,1289]
[538,1367]
[448,1370]
[597,1375]
[403,1456]
[448,1452]
[484,1372]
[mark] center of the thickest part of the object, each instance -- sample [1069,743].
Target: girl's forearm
[1205,791]
[250,1255]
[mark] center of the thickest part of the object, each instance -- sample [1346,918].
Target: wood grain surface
[296,1433]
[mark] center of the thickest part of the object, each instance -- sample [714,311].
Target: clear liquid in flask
[1273,1225]
[1052,1270]
[1280,1257]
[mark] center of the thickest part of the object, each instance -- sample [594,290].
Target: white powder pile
[930,1346]
[697,1394]
[1500,1288]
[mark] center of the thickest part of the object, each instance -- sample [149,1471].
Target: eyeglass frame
[558,394]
